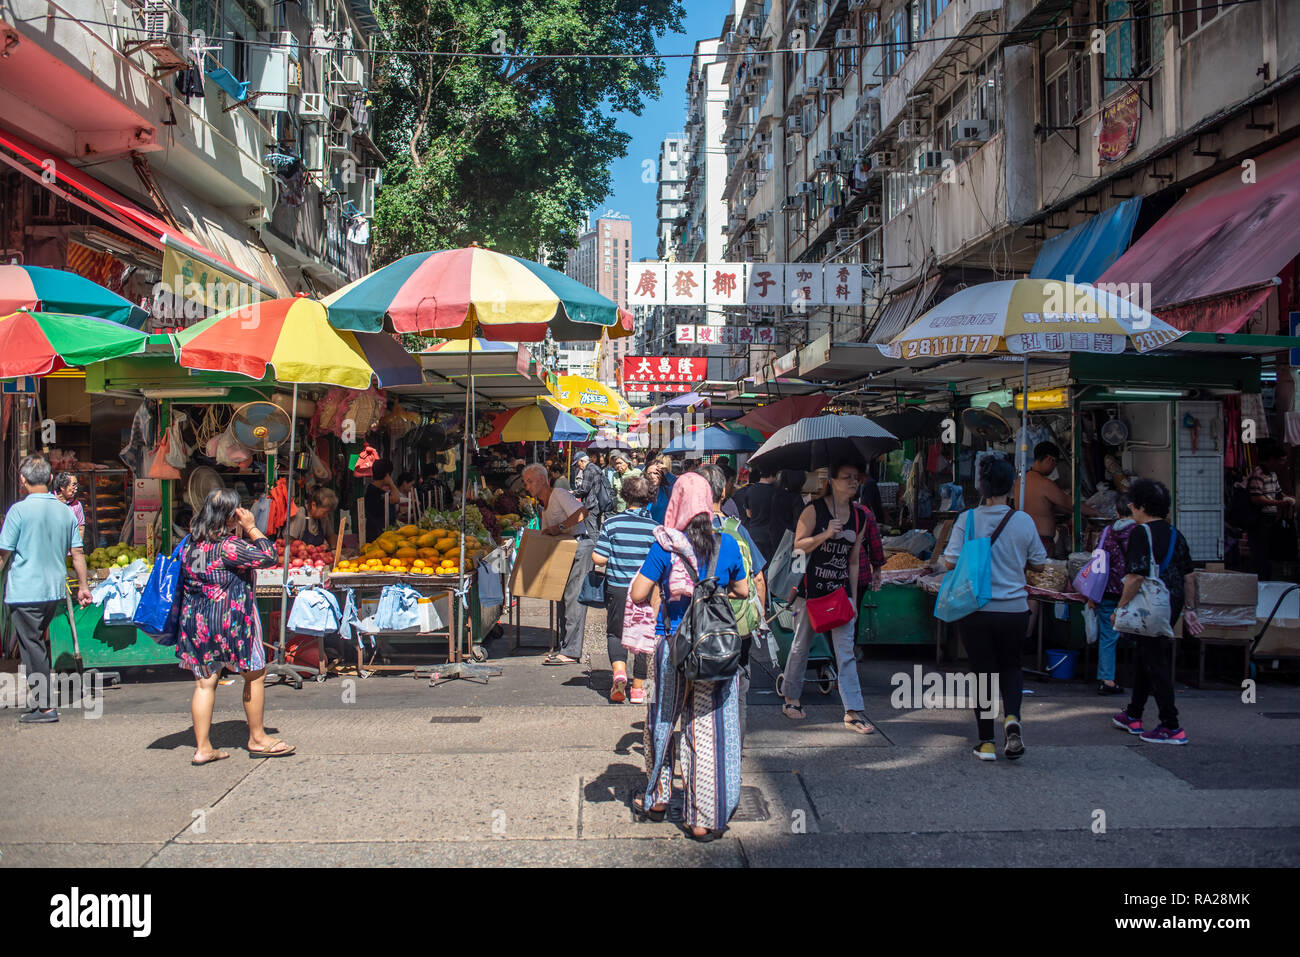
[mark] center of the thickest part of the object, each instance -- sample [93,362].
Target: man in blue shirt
[38,533]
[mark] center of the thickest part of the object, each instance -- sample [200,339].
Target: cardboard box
[1243,633]
[542,566]
[1226,599]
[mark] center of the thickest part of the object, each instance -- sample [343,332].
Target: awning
[1083,253]
[86,192]
[1224,236]
[902,310]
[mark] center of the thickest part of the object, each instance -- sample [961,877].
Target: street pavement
[535,767]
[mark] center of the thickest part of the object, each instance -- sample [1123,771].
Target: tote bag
[969,586]
[159,611]
[1148,613]
[1091,580]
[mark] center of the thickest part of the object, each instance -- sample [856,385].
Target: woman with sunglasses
[829,532]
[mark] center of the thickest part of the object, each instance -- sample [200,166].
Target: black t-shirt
[1138,558]
[376,514]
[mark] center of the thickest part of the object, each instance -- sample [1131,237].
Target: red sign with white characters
[657,371]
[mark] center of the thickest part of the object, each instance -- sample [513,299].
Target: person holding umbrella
[829,532]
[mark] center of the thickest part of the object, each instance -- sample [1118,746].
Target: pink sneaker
[637,695]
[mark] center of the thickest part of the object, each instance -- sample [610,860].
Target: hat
[580,456]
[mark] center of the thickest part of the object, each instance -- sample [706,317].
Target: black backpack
[706,645]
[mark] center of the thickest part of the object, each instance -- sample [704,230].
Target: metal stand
[280,668]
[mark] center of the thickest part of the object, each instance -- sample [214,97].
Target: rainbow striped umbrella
[458,293]
[295,339]
[38,343]
[59,291]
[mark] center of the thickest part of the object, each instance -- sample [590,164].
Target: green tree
[508,150]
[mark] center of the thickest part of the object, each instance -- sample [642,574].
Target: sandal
[706,838]
[857,725]
[793,711]
[640,812]
[558,659]
[216,756]
[278,749]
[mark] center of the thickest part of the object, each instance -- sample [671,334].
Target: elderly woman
[219,626]
[622,471]
[709,744]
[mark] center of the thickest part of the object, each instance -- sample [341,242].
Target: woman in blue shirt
[709,745]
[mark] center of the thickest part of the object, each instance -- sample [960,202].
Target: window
[898,36]
[1196,14]
[1133,44]
[1068,92]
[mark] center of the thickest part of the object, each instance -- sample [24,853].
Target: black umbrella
[823,440]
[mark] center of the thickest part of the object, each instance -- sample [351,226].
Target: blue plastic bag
[159,611]
[969,586]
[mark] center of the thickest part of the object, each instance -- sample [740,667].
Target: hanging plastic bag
[159,466]
[178,453]
[229,451]
[1090,625]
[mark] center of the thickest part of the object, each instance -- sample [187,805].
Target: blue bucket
[1060,663]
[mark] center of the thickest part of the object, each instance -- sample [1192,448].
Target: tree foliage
[507,150]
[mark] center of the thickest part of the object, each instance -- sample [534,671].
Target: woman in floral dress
[219,625]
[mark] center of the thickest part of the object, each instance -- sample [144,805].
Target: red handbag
[830,611]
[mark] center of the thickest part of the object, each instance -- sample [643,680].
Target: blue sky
[630,195]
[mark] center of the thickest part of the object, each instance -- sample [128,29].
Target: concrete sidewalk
[536,767]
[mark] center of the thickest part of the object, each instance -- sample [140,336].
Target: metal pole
[458,607]
[284,590]
[1024,433]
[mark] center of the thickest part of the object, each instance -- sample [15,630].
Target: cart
[780,636]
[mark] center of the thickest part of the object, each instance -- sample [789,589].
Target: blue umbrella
[713,439]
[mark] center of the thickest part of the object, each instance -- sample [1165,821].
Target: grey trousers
[30,622]
[573,615]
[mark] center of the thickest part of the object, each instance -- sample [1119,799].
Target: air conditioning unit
[805,188]
[846,38]
[312,107]
[828,157]
[164,35]
[842,138]
[833,81]
[313,151]
[971,132]
[882,161]
[911,131]
[794,124]
[350,72]
[817,83]
[762,219]
[845,237]
[932,161]
[872,214]
[731,38]
[792,202]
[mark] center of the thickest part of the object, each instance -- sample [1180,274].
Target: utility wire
[469,55]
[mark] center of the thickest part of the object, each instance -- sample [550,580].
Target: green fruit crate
[103,646]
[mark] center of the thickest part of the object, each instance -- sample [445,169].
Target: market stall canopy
[1083,253]
[768,418]
[1225,238]
[293,337]
[38,343]
[459,293]
[708,441]
[822,441]
[539,422]
[497,380]
[911,423]
[60,291]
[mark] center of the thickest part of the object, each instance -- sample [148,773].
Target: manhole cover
[1281,714]
[456,719]
[752,807]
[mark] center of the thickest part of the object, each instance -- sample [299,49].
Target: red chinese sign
[1119,126]
[660,372]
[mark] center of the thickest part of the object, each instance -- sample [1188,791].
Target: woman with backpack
[829,531]
[1158,550]
[709,743]
[994,634]
[219,624]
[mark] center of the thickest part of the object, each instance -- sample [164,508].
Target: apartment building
[217,140]
[942,143]
[670,193]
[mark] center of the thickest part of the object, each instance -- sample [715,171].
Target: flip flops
[857,725]
[273,751]
[558,659]
[216,756]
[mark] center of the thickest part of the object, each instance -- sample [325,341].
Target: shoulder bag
[1149,611]
[969,587]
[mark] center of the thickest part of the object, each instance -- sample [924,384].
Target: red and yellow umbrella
[294,337]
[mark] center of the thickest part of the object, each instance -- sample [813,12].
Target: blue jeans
[1107,639]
